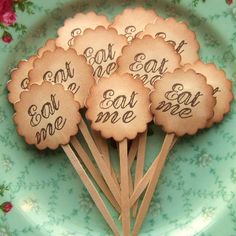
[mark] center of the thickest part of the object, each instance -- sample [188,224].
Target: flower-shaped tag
[132,21]
[182,102]
[101,47]
[66,68]
[47,115]
[118,107]
[19,76]
[75,26]
[147,59]
[176,33]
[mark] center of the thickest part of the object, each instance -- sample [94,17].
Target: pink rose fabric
[7,14]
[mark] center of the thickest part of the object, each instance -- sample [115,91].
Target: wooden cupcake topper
[182,103]
[101,47]
[176,33]
[118,107]
[148,59]
[47,116]
[77,25]
[132,21]
[222,91]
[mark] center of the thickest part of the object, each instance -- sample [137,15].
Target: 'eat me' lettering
[178,47]
[45,112]
[179,102]
[118,103]
[62,76]
[98,59]
[153,69]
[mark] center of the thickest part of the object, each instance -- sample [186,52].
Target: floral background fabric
[8,17]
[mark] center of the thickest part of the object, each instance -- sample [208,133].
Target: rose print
[6,38]
[6,207]
[8,17]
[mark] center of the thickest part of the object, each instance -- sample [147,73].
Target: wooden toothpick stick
[133,151]
[104,149]
[118,107]
[140,164]
[94,172]
[90,187]
[124,179]
[153,182]
[101,163]
[102,146]
[131,157]
[143,183]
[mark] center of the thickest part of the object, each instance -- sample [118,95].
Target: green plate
[197,191]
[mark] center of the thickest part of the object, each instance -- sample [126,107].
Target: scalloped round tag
[101,47]
[147,59]
[178,34]
[221,85]
[118,107]
[76,25]
[64,67]
[47,115]
[133,21]
[182,102]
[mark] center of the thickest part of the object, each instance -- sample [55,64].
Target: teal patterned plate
[197,191]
